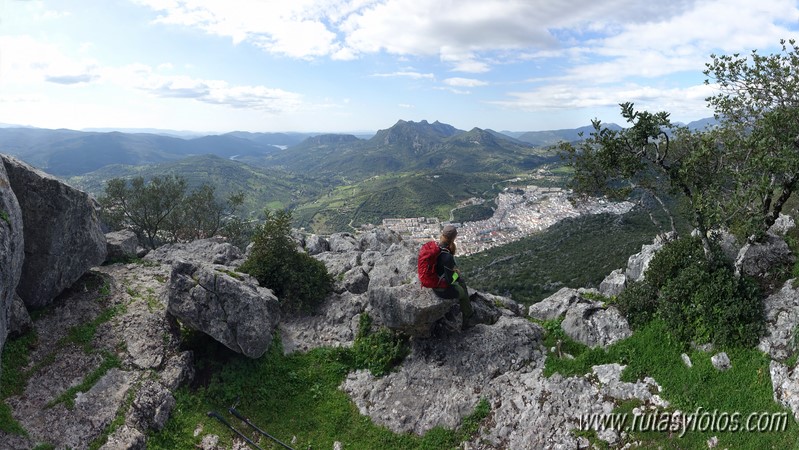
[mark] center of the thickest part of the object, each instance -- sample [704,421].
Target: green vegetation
[67,397]
[378,351]
[161,210]
[474,213]
[13,378]
[4,216]
[652,351]
[298,280]
[289,395]
[700,300]
[577,252]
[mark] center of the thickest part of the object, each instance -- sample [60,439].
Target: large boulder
[11,250]
[595,325]
[782,225]
[555,305]
[444,377]
[215,250]
[408,308]
[613,284]
[782,319]
[62,231]
[230,307]
[121,245]
[19,321]
[761,259]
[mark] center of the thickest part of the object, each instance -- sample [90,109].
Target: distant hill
[263,187]
[68,153]
[552,137]
[409,147]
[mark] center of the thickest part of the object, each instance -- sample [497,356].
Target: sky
[361,65]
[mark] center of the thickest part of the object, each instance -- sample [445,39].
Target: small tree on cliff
[758,105]
[299,281]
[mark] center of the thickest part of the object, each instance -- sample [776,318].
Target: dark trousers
[459,291]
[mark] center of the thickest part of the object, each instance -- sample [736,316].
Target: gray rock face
[151,407]
[786,384]
[613,284]
[379,239]
[12,247]
[762,258]
[555,305]
[638,263]
[334,324]
[408,308]
[315,245]
[782,318]
[594,325]
[344,242]
[236,312]
[213,250]
[443,378]
[19,321]
[121,245]
[721,361]
[782,225]
[62,233]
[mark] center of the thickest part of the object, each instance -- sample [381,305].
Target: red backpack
[426,266]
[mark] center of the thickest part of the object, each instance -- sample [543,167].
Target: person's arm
[448,268]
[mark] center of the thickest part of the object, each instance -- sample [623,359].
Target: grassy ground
[288,396]
[745,388]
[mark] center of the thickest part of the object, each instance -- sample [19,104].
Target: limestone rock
[594,325]
[555,305]
[763,258]
[721,361]
[785,382]
[613,284]
[151,407]
[443,378]
[638,263]
[315,245]
[234,311]
[379,239]
[782,225]
[19,321]
[121,245]
[178,371]
[62,233]
[334,324]
[215,250]
[782,318]
[408,308]
[126,438]
[344,242]
[12,247]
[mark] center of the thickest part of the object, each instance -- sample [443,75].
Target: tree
[758,106]
[653,156]
[299,281]
[144,207]
[201,214]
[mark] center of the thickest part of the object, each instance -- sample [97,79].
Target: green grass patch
[84,333]
[4,217]
[13,378]
[119,419]
[745,388]
[288,395]
[67,397]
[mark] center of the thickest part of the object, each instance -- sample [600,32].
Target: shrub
[699,300]
[379,351]
[299,281]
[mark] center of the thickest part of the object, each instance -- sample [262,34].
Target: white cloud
[464,82]
[405,105]
[406,74]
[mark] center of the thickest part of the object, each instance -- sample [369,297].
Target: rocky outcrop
[782,319]
[19,321]
[335,324]
[408,308]
[555,305]
[230,307]
[638,263]
[11,251]
[215,250]
[442,379]
[121,245]
[782,225]
[61,231]
[613,284]
[761,259]
[594,324]
[785,381]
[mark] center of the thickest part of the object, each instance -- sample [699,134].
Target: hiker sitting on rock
[448,270]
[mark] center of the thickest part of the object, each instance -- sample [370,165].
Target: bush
[299,281]
[700,301]
[379,351]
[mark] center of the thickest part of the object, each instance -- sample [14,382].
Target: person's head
[448,234]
